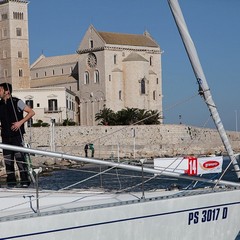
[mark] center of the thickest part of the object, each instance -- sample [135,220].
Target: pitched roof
[52,81]
[128,39]
[135,57]
[43,61]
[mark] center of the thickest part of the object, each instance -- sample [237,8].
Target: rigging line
[139,184]
[84,180]
[224,172]
[181,102]
[164,169]
[167,109]
[110,174]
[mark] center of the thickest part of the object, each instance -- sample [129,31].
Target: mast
[199,74]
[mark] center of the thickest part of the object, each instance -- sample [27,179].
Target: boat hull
[177,215]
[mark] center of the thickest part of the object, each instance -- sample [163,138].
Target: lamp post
[236,117]
[180,117]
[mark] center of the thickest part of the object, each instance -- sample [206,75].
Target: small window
[4,16]
[53,72]
[120,95]
[19,54]
[110,78]
[36,75]
[18,32]
[151,61]
[20,72]
[154,95]
[62,70]
[115,59]
[45,73]
[91,43]
[38,104]
[157,80]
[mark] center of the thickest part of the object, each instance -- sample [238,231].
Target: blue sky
[57,27]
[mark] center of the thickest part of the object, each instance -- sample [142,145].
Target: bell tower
[14,43]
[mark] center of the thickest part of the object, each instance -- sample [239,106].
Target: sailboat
[211,213]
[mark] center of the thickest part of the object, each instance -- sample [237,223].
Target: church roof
[43,61]
[128,39]
[52,81]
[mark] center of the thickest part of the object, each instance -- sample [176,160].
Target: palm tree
[106,116]
[127,116]
[152,117]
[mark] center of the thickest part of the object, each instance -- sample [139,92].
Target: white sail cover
[190,165]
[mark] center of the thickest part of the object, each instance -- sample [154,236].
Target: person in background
[86,150]
[91,146]
[12,121]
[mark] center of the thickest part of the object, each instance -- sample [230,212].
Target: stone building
[117,71]
[109,70]
[60,71]
[49,103]
[14,44]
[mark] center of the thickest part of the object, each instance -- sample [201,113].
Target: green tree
[126,116]
[152,117]
[106,116]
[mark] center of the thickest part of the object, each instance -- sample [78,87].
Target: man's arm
[30,113]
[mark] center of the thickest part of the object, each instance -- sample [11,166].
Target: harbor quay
[135,141]
[123,143]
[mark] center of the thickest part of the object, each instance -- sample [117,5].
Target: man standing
[12,130]
[86,150]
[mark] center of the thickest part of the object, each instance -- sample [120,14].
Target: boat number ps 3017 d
[207,215]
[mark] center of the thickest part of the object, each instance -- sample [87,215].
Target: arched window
[96,76]
[86,77]
[143,87]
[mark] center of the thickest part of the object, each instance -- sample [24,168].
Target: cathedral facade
[117,71]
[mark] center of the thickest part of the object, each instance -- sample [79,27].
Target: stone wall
[114,141]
